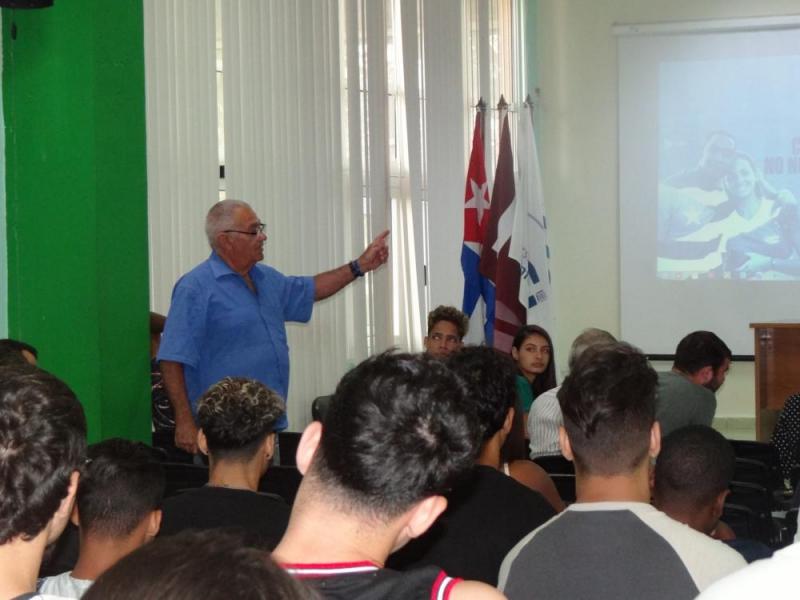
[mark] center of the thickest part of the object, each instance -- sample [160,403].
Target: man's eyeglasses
[256,230]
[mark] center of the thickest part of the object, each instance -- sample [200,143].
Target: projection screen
[709,179]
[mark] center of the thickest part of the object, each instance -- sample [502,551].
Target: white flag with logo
[529,238]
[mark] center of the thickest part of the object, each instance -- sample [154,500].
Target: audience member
[397,436]
[489,506]
[533,351]
[612,543]
[118,509]
[447,327]
[786,436]
[42,446]
[237,419]
[774,577]
[686,393]
[14,352]
[692,475]
[212,565]
[544,419]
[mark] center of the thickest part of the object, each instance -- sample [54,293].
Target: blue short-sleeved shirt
[217,327]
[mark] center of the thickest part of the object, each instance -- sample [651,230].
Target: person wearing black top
[490,511]
[237,417]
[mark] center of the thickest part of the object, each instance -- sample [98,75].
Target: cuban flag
[476,216]
[529,237]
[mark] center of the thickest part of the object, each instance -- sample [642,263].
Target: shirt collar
[219,268]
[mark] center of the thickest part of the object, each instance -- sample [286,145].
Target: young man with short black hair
[692,475]
[42,446]
[612,543]
[397,436]
[500,502]
[686,394]
[118,509]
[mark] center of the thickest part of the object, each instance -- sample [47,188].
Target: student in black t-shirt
[396,436]
[490,506]
[693,471]
[237,417]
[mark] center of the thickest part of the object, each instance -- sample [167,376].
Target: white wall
[578,148]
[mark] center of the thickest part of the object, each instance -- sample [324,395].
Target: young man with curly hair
[42,446]
[237,419]
[447,327]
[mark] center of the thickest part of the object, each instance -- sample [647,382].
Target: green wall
[76,202]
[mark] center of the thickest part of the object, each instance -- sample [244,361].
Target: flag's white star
[478,200]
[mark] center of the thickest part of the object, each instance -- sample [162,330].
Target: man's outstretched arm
[328,283]
[185,427]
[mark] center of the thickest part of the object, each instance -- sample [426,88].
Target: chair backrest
[281,480]
[753,471]
[182,476]
[759,500]
[790,523]
[760,451]
[565,484]
[766,454]
[319,407]
[754,496]
[555,464]
[287,444]
[742,520]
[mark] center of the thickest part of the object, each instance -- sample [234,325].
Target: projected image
[729,169]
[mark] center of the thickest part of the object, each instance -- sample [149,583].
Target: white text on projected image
[729,169]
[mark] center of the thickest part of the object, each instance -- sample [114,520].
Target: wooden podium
[777,354]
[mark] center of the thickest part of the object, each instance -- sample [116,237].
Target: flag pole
[481,108]
[502,105]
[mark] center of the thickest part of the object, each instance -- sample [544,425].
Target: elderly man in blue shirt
[228,314]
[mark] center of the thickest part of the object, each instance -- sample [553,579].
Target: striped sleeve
[544,420]
[443,585]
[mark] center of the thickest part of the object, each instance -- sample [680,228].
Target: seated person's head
[703,357]
[42,446]
[14,352]
[213,565]
[490,378]
[398,435]
[237,418]
[447,327]
[608,403]
[693,472]
[532,348]
[120,493]
[589,338]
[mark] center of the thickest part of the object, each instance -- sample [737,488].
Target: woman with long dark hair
[532,349]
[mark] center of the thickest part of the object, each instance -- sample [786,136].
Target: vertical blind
[327,121]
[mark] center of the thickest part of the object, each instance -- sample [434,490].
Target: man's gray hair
[589,338]
[220,218]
